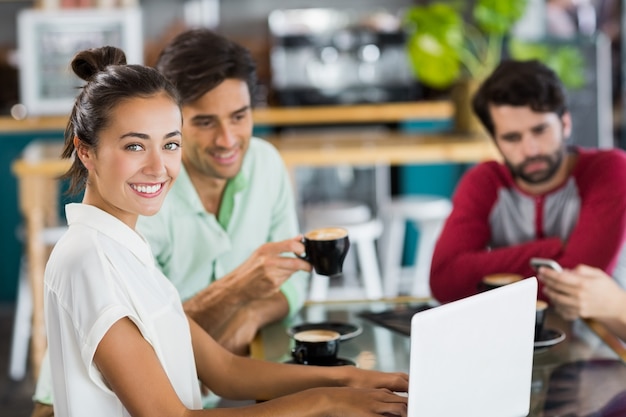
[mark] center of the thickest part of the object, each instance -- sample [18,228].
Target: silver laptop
[473,357]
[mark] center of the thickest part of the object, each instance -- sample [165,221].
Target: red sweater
[495,227]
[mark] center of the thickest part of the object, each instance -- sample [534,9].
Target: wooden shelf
[366,113]
[288,116]
[33,124]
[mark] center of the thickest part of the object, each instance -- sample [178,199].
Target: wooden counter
[378,147]
[328,149]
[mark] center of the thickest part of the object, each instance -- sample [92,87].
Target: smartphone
[538,262]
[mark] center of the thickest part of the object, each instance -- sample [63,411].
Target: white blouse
[99,272]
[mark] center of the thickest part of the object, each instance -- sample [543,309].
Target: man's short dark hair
[520,83]
[198,60]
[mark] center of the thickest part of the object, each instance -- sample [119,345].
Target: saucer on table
[548,338]
[336,362]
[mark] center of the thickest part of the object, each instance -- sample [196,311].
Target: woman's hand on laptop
[362,378]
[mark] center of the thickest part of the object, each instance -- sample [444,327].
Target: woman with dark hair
[120,343]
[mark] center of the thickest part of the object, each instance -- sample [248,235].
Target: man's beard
[553,163]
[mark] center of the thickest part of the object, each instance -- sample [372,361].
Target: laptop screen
[473,357]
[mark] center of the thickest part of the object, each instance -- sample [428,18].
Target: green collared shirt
[194,248]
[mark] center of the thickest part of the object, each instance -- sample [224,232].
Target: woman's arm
[132,370]
[239,377]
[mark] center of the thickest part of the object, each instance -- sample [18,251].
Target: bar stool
[22,325]
[363,231]
[428,214]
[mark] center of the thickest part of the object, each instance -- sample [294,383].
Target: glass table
[579,376]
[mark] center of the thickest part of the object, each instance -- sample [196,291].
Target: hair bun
[86,64]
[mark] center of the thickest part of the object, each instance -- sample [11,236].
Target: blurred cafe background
[332,74]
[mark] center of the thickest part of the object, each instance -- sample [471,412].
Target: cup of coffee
[489,282]
[326,248]
[540,318]
[316,347]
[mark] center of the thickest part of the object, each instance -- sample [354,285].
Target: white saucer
[548,338]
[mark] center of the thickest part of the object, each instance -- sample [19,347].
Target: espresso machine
[328,56]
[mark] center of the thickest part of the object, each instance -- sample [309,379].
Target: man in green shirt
[224,231]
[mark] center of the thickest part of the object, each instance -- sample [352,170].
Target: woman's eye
[172,146]
[134,147]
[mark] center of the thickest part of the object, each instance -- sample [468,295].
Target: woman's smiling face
[137,158]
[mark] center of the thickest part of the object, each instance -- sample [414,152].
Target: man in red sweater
[546,200]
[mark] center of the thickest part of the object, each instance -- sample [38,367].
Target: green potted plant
[446,46]
[443,46]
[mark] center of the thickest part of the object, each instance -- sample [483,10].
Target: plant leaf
[498,16]
[436,36]
[434,63]
[565,60]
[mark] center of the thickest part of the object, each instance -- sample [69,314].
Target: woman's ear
[83,152]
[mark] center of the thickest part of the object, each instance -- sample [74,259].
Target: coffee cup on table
[325,249]
[540,318]
[316,347]
[491,281]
